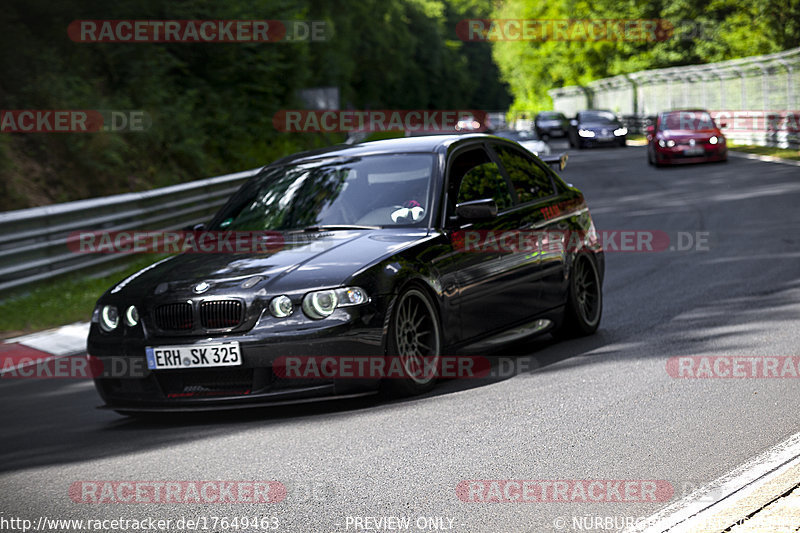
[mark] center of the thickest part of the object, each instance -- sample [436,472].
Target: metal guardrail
[33,242]
[766,83]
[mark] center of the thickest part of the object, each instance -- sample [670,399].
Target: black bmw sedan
[412,249]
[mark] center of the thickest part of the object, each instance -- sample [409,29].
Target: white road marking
[683,514]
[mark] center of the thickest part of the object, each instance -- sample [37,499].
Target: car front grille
[174,317]
[218,314]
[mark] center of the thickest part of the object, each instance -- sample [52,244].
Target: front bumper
[675,155]
[602,141]
[254,383]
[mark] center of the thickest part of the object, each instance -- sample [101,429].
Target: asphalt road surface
[598,408]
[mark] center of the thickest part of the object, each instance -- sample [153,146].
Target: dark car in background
[551,124]
[685,136]
[596,127]
[374,263]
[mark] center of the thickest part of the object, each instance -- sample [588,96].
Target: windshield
[379,190]
[518,135]
[686,120]
[599,117]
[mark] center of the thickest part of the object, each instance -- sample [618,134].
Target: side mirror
[475,210]
[556,162]
[723,124]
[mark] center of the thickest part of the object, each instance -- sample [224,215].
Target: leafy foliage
[212,105]
[702,31]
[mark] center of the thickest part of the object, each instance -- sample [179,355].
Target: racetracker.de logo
[380,367]
[174,242]
[198,31]
[414,120]
[47,366]
[564,490]
[119,491]
[734,367]
[560,241]
[73,121]
[630,30]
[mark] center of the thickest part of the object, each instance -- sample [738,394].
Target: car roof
[423,144]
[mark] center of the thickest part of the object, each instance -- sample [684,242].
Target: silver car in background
[528,139]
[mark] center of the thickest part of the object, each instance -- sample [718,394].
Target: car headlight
[586,133]
[109,318]
[661,143]
[320,304]
[281,306]
[621,131]
[713,140]
[670,143]
[350,296]
[131,316]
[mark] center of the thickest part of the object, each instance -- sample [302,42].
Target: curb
[28,350]
[767,158]
[734,498]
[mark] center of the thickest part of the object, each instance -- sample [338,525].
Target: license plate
[693,151]
[193,356]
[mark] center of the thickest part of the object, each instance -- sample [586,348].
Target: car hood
[306,260]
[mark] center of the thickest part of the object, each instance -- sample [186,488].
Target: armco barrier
[767,83]
[33,242]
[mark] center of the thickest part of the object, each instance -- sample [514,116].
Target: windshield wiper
[334,227]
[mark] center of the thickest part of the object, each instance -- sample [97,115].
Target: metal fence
[757,87]
[33,242]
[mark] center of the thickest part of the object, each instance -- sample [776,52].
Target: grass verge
[66,300]
[783,153]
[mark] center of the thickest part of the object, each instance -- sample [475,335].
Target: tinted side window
[530,180]
[479,177]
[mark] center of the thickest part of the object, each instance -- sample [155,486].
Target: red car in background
[685,136]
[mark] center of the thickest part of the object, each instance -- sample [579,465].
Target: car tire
[415,338]
[584,306]
[623,142]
